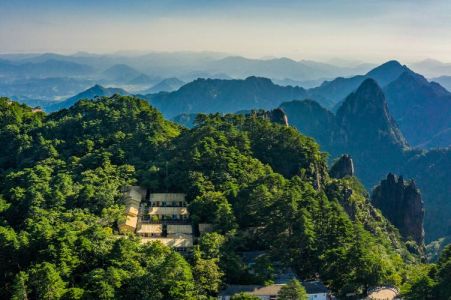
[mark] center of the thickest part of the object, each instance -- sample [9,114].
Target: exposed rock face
[343,167]
[401,203]
[278,116]
[364,117]
[313,120]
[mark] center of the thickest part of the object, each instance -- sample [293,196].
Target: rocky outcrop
[343,167]
[278,116]
[400,202]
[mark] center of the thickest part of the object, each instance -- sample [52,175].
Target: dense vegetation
[431,281]
[263,186]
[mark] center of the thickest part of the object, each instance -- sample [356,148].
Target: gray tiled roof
[314,287]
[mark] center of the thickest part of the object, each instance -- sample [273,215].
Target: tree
[444,274]
[207,274]
[421,289]
[210,245]
[293,290]
[244,296]
[19,289]
[263,186]
[213,207]
[46,282]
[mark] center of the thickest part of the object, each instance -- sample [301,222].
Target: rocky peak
[387,72]
[278,116]
[400,202]
[343,167]
[365,117]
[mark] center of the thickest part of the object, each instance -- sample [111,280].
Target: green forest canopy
[263,186]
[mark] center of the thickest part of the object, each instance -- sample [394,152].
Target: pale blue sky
[365,30]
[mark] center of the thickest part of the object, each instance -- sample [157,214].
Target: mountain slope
[334,91]
[368,132]
[422,108]
[91,93]
[120,73]
[279,68]
[314,120]
[362,127]
[261,185]
[47,68]
[432,67]
[444,81]
[214,95]
[140,79]
[166,85]
[365,113]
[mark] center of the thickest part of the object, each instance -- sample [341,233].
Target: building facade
[315,291]
[160,217]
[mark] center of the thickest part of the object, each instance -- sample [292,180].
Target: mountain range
[166,85]
[216,95]
[379,118]
[364,128]
[48,68]
[120,73]
[422,109]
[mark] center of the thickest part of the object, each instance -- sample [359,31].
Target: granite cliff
[343,167]
[400,202]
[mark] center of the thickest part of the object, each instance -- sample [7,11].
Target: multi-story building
[160,217]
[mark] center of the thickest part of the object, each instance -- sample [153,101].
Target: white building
[160,217]
[315,291]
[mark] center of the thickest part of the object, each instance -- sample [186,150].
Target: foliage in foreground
[263,186]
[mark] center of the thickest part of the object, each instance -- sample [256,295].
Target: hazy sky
[360,29]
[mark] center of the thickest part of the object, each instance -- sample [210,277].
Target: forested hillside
[263,186]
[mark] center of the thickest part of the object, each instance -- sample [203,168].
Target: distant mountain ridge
[166,85]
[215,95]
[120,73]
[421,108]
[333,92]
[91,93]
[47,68]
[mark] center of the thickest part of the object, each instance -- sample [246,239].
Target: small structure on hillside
[315,291]
[160,217]
[281,273]
[383,293]
[133,196]
[36,109]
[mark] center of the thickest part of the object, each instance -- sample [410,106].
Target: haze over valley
[225,150]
